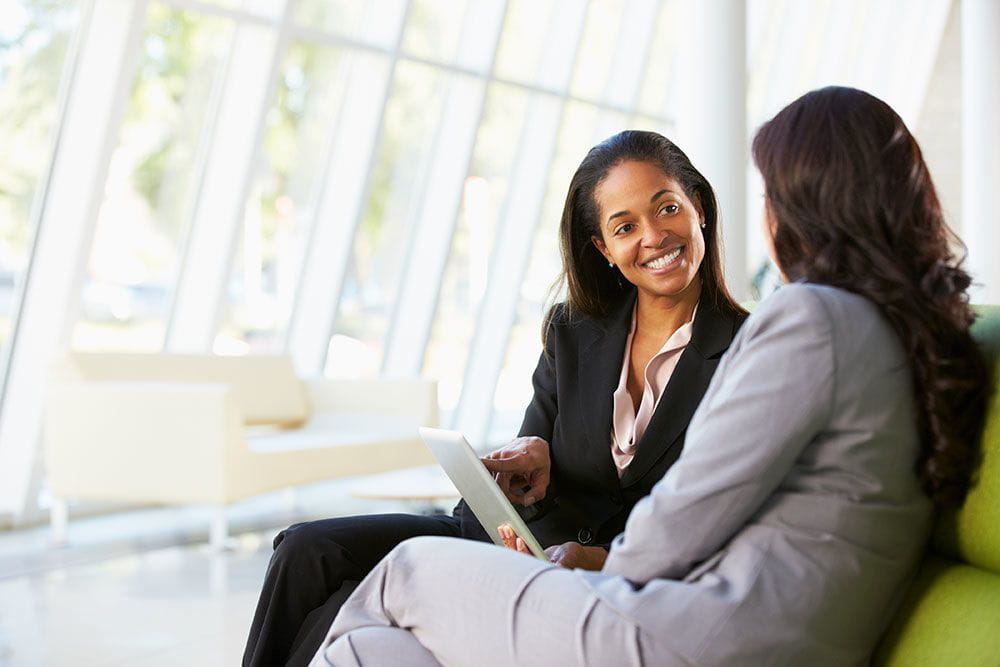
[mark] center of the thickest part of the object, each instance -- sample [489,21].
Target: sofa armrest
[140,441]
[415,398]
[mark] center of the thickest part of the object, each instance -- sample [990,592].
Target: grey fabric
[783,535]
[469,603]
[394,647]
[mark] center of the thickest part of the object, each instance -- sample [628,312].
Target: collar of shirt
[629,424]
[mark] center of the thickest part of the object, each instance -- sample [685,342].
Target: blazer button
[584,536]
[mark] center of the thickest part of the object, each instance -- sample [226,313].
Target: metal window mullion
[201,165]
[430,241]
[77,44]
[509,265]
[323,260]
[29,508]
[321,37]
[980,26]
[424,273]
[64,235]
[308,356]
[333,231]
[221,11]
[200,295]
[636,29]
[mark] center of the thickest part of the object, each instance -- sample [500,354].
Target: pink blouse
[628,425]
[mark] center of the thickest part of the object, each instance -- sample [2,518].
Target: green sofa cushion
[972,534]
[950,617]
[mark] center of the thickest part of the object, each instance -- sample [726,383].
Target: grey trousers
[443,601]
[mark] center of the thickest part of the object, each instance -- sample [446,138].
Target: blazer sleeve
[540,415]
[771,395]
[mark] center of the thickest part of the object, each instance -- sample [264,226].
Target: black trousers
[313,569]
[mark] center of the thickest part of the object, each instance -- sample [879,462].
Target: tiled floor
[143,588]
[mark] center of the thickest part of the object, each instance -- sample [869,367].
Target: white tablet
[477,486]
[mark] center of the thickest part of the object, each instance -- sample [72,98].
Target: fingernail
[529,500]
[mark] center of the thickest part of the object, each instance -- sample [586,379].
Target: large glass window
[153,180]
[384,239]
[484,195]
[34,43]
[301,126]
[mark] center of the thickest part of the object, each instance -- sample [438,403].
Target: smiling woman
[635,199]
[656,244]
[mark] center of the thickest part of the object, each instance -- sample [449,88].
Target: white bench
[207,429]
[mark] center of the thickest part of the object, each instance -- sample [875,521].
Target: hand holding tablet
[478,487]
[521,469]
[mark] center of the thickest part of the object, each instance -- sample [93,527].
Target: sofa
[208,429]
[951,613]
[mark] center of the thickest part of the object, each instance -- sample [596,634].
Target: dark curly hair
[592,287]
[852,205]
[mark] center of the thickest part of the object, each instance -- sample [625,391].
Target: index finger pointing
[514,463]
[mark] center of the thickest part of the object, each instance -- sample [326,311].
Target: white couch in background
[172,429]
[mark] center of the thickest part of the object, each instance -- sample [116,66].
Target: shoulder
[839,308]
[565,318]
[565,328]
[808,301]
[795,312]
[845,321]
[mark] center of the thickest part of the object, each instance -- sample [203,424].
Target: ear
[696,200]
[601,247]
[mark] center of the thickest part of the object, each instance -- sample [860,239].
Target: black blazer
[572,409]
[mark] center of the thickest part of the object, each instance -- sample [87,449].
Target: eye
[624,229]
[669,209]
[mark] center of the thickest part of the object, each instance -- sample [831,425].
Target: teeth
[666,259]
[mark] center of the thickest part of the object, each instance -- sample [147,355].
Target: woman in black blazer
[633,281]
[586,501]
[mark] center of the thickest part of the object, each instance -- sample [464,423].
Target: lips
[664,260]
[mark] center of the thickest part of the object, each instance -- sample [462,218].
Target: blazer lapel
[600,366]
[712,331]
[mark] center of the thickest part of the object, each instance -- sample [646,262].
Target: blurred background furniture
[426,488]
[179,429]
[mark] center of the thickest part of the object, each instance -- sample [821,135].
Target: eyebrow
[651,200]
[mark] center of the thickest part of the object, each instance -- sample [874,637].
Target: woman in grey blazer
[785,533]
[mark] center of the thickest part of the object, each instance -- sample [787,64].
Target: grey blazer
[788,528]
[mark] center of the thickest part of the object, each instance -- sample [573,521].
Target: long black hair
[594,288]
[852,205]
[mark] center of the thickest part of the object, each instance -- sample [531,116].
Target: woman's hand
[573,555]
[568,555]
[521,469]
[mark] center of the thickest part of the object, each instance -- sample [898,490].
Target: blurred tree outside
[34,38]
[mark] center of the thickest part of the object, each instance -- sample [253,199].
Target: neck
[666,314]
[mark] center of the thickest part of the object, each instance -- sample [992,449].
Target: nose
[652,235]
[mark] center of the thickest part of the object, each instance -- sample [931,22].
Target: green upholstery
[972,534]
[951,614]
[951,618]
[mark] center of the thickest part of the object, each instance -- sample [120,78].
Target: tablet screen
[477,486]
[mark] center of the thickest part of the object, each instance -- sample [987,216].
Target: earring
[703,225]
[611,264]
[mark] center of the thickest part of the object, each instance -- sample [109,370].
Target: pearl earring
[703,225]
[611,263]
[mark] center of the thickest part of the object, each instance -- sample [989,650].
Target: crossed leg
[436,600]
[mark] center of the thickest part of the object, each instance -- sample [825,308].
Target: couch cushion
[265,386]
[334,430]
[972,534]
[949,617]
